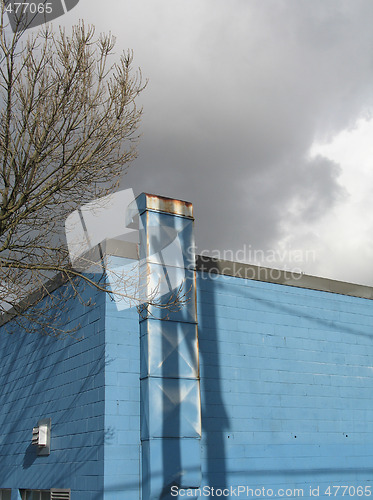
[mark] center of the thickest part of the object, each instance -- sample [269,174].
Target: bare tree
[68,120]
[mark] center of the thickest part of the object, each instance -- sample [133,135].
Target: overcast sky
[258,112]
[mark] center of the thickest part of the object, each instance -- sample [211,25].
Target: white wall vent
[60,494]
[41,436]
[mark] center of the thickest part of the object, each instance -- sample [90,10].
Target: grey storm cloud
[238,92]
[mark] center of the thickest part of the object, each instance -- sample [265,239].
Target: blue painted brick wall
[286,386]
[63,379]
[122,404]
[90,389]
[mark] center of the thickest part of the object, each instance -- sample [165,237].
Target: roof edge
[212,265]
[280,277]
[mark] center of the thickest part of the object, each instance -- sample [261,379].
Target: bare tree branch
[68,132]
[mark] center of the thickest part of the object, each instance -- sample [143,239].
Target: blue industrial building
[259,386]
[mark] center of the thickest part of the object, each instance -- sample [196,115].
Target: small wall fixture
[41,436]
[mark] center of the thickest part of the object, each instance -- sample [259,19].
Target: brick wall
[122,404]
[286,386]
[63,379]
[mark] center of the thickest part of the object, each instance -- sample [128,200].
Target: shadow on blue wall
[215,420]
[30,456]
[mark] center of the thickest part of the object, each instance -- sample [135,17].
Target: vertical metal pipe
[170,389]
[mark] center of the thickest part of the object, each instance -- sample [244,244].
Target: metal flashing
[251,272]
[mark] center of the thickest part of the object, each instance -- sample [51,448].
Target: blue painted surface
[286,386]
[286,395]
[122,404]
[41,377]
[90,389]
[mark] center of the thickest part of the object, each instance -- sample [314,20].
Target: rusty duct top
[147,201]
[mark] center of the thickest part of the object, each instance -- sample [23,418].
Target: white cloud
[343,237]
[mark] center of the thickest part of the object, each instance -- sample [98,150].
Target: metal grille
[5,494]
[60,494]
